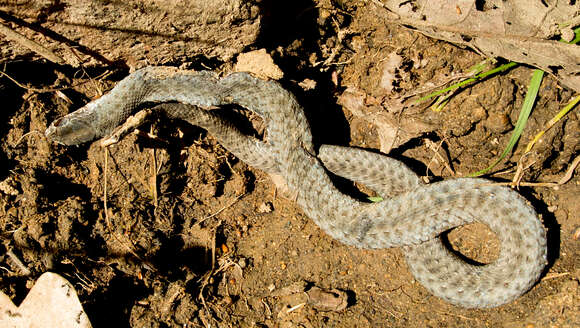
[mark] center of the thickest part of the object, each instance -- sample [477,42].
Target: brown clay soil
[174,231]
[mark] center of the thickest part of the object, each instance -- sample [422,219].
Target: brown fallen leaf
[393,129]
[522,31]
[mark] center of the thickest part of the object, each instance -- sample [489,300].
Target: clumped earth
[173,231]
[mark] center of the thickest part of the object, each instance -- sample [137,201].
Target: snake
[413,215]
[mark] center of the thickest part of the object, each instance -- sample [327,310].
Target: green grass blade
[553,121]
[522,119]
[480,76]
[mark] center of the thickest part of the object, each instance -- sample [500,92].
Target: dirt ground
[174,231]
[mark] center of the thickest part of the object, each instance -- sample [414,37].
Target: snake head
[70,131]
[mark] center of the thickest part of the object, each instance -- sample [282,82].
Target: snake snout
[70,131]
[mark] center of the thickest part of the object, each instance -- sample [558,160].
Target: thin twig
[154,174]
[555,275]
[213,238]
[220,210]
[16,261]
[295,307]
[454,314]
[570,171]
[26,135]
[564,179]
[519,175]
[107,219]
[32,45]
[435,150]
[43,90]
[130,124]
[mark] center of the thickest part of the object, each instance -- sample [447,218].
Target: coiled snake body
[414,217]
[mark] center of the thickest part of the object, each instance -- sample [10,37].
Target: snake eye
[57,122]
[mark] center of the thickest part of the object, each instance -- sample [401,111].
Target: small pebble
[266,207]
[478,114]
[498,122]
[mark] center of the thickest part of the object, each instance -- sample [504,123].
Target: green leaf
[522,119]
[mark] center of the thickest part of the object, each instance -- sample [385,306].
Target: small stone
[478,114]
[327,300]
[567,34]
[266,207]
[227,300]
[307,84]
[260,63]
[498,122]
[51,302]
[8,187]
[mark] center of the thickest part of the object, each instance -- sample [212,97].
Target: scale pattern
[413,215]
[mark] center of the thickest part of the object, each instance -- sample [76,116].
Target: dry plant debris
[519,30]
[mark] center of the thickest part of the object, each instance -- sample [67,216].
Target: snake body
[412,217]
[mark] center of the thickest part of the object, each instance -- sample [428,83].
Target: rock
[52,302]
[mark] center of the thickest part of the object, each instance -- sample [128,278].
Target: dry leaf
[519,30]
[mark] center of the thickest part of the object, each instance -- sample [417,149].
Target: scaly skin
[413,216]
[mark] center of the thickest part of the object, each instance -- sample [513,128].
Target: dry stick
[455,315]
[519,175]
[29,88]
[295,307]
[50,89]
[570,171]
[436,154]
[107,220]
[555,275]
[213,238]
[565,178]
[82,67]
[267,307]
[16,261]
[154,173]
[26,135]
[220,210]
[206,278]
[129,125]
[32,45]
